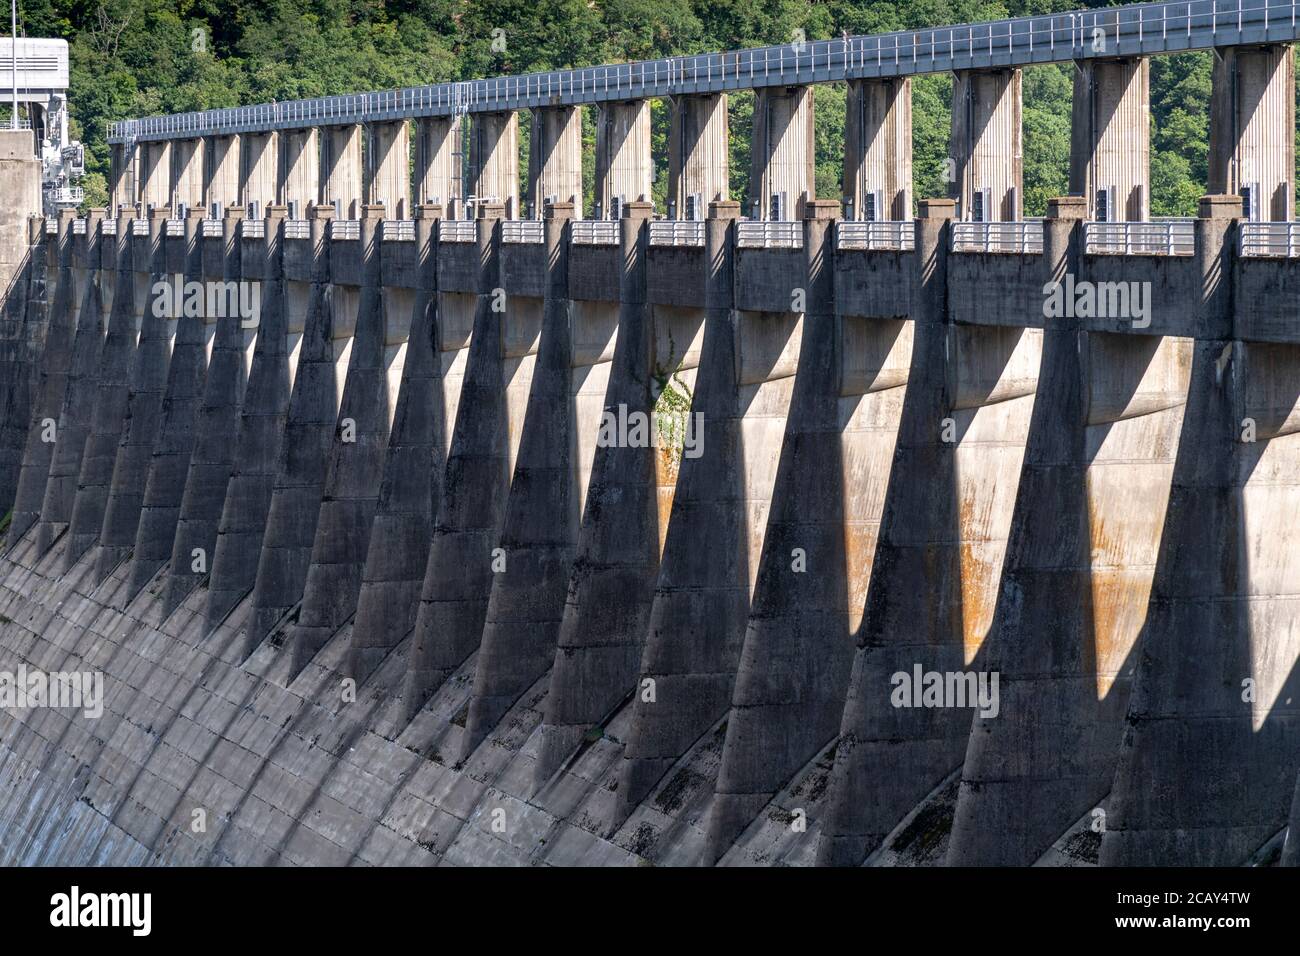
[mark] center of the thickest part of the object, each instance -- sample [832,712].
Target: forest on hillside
[133,58]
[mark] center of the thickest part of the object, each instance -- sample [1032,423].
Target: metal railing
[399,230]
[78,227]
[521,231]
[212,229]
[1270,239]
[139,227]
[253,228]
[175,228]
[345,229]
[677,232]
[760,234]
[108,227]
[297,229]
[896,236]
[51,227]
[1170,237]
[1023,238]
[457,230]
[594,232]
[1132,30]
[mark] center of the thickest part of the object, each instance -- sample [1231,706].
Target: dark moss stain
[1084,846]
[674,793]
[922,837]
[643,840]
[461,716]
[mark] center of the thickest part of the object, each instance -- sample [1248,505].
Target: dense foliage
[143,57]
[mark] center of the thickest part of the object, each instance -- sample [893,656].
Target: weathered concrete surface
[111,398]
[740,737]
[350,493]
[46,402]
[942,537]
[169,464]
[1074,589]
[309,433]
[191,550]
[1208,760]
[20,184]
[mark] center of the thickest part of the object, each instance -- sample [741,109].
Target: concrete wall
[634,652]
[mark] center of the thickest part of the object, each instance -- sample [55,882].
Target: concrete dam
[406,518]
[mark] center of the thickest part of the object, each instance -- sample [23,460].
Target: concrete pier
[1252,111]
[878,150]
[494,161]
[623,165]
[1110,152]
[986,146]
[341,170]
[413,476]
[354,473]
[699,160]
[52,383]
[458,578]
[247,502]
[310,431]
[192,549]
[111,396]
[555,159]
[186,373]
[388,173]
[783,156]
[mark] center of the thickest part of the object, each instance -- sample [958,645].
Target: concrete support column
[1110,138]
[55,373]
[300,182]
[699,162]
[783,156]
[143,411]
[413,476]
[697,621]
[170,462]
[388,168]
[156,175]
[624,166]
[122,176]
[1252,128]
[540,530]
[494,160]
[188,167]
[342,181]
[1073,595]
[555,159]
[458,578]
[794,667]
[438,174]
[889,758]
[210,466]
[259,179]
[309,433]
[262,417]
[611,588]
[222,181]
[1208,758]
[111,400]
[986,147]
[878,149]
[355,471]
